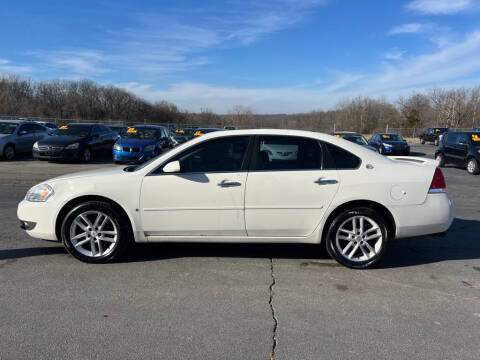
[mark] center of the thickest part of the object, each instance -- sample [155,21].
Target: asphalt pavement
[233,301]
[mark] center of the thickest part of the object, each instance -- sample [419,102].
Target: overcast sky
[273,56]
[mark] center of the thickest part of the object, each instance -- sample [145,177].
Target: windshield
[185,132]
[141,133]
[392,137]
[357,139]
[73,130]
[116,129]
[7,128]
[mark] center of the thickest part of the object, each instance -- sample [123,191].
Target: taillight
[438,182]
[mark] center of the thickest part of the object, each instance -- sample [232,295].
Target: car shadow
[462,242]
[418,153]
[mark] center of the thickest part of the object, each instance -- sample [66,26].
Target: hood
[61,140]
[111,171]
[136,142]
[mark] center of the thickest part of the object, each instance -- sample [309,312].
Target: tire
[436,142]
[473,168]
[422,141]
[380,150]
[86,155]
[440,159]
[9,152]
[109,242]
[359,254]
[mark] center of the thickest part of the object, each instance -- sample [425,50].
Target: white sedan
[224,187]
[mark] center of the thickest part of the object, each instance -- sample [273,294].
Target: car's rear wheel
[440,159]
[95,232]
[473,167]
[9,152]
[357,238]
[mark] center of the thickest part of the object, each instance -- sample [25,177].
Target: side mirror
[172,167]
[22,132]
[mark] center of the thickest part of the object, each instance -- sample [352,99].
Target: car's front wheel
[96,232]
[473,167]
[86,155]
[357,238]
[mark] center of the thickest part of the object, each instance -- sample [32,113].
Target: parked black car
[75,142]
[118,129]
[389,144]
[183,135]
[432,134]
[460,148]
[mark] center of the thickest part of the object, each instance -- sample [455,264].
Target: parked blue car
[389,144]
[141,143]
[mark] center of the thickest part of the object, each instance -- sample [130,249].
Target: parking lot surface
[232,301]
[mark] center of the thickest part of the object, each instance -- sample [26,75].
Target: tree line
[87,100]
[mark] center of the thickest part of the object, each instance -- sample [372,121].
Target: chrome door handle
[227,183]
[322,181]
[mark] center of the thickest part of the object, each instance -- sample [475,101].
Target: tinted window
[7,128]
[103,129]
[452,138]
[73,130]
[342,159]
[219,155]
[149,133]
[462,138]
[287,153]
[39,128]
[29,128]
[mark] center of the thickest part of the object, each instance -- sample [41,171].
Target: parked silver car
[18,136]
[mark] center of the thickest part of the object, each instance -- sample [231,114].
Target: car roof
[84,124]
[346,133]
[148,126]
[16,121]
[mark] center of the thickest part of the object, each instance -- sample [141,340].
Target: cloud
[412,28]
[439,7]
[6,66]
[453,65]
[394,54]
[160,44]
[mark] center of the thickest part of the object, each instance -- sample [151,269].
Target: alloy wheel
[93,234]
[9,153]
[87,155]
[359,239]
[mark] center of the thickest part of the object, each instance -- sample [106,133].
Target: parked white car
[221,187]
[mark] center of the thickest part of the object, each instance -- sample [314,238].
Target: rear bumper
[434,216]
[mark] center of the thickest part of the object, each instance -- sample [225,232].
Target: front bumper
[396,150]
[434,216]
[57,154]
[38,219]
[132,157]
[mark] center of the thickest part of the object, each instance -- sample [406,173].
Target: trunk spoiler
[415,160]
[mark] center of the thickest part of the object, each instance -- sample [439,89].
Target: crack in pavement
[272,309]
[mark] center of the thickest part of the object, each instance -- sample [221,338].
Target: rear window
[342,159]
[141,133]
[7,128]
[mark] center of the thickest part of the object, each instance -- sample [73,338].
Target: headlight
[386,145]
[72,146]
[35,146]
[39,193]
[117,147]
[149,148]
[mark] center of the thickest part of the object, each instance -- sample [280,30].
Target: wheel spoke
[79,236]
[372,237]
[347,231]
[81,226]
[97,220]
[92,246]
[353,251]
[85,219]
[109,232]
[100,249]
[345,249]
[370,249]
[367,255]
[346,238]
[354,225]
[80,243]
[103,223]
[107,239]
[371,229]
[361,224]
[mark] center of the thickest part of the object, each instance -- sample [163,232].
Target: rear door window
[342,159]
[277,153]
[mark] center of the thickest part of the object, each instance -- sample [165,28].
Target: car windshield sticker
[131,131]
[198,133]
[338,136]
[63,127]
[437,130]
[475,137]
[386,136]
